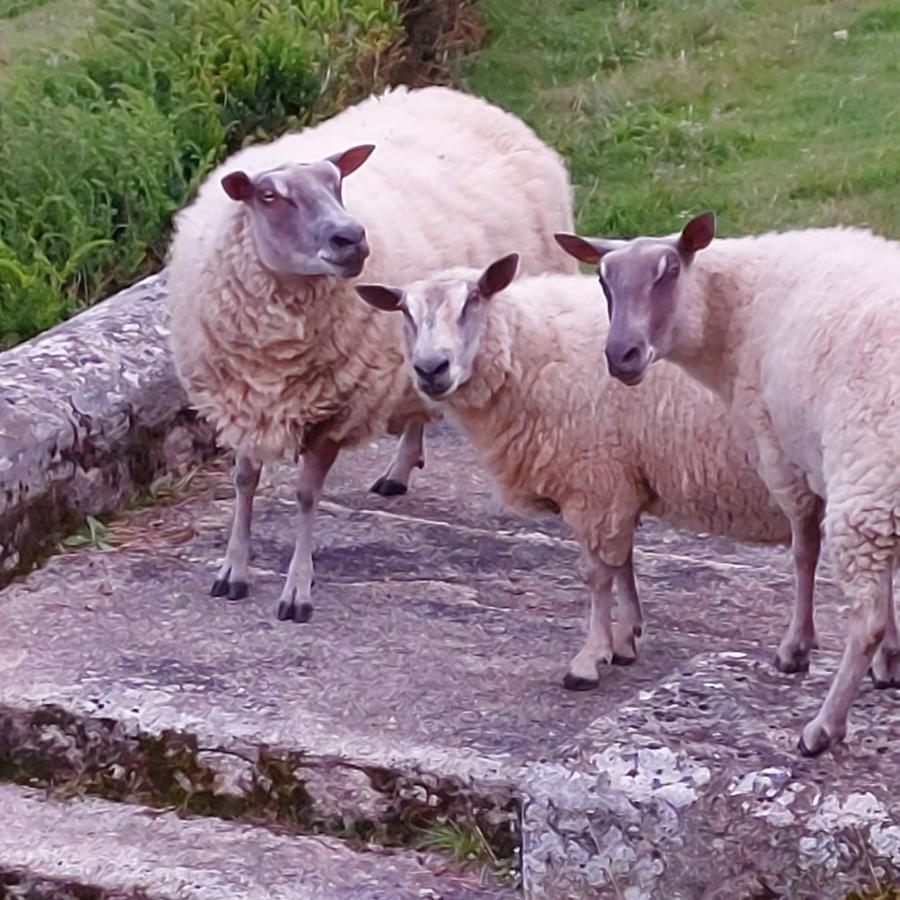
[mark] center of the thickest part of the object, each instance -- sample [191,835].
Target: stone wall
[90,412]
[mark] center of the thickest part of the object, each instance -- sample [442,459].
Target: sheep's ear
[498,275]
[387,299]
[586,250]
[350,160]
[238,186]
[697,234]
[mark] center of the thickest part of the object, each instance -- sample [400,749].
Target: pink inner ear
[238,186]
[498,275]
[698,233]
[581,248]
[381,296]
[350,160]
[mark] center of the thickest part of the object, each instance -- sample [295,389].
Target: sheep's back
[453,181]
[572,431]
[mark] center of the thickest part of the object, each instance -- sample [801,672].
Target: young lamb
[269,339]
[797,332]
[516,365]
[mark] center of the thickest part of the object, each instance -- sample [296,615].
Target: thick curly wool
[551,424]
[273,361]
[805,326]
[798,333]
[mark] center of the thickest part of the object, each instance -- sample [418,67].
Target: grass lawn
[40,26]
[772,113]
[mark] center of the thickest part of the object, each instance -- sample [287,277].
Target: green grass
[9,9]
[103,140]
[749,107]
[46,31]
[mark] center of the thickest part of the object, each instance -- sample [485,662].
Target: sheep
[268,338]
[515,364]
[797,332]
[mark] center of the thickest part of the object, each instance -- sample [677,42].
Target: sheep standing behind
[798,333]
[268,337]
[516,364]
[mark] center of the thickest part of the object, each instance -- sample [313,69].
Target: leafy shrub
[99,150]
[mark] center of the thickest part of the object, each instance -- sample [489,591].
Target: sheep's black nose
[626,360]
[431,367]
[345,236]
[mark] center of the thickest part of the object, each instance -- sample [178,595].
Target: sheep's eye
[268,197]
[668,269]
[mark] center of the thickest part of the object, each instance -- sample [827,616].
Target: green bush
[99,150]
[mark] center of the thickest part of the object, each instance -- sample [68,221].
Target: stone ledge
[121,851]
[90,412]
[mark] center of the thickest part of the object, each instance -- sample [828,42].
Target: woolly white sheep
[270,341]
[798,333]
[516,364]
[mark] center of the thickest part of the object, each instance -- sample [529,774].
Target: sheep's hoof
[885,670]
[387,487]
[577,683]
[289,611]
[225,587]
[619,660]
[882,684]
[238,590]
[815,740]
[798,662]
[285,611]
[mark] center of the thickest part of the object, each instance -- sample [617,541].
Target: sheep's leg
[598,648]
[800,638]
[868,625]
[885,669]
[410,455]
[629,622]
[294,602]
[233,577]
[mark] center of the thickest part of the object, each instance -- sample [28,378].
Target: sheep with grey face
[517,365]
[798,333]
[268,338]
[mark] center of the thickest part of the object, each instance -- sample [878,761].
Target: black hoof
[882,684]
[238,590]
[285,611]
[387,487]
[812,752]
[289,611]
[576,683]
[219,588]
[792,666]
[619,660]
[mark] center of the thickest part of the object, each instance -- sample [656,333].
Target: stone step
[127,851]
[426,688]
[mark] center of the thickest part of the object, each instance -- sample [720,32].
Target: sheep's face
[297,216]
[444,318]
[643,283]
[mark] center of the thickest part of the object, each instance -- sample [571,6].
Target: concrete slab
[124,851]
[430,677]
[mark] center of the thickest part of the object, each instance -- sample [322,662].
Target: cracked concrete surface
[433,662]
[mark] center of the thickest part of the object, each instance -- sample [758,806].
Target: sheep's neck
[276,307]
[494,405]
[709,336]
